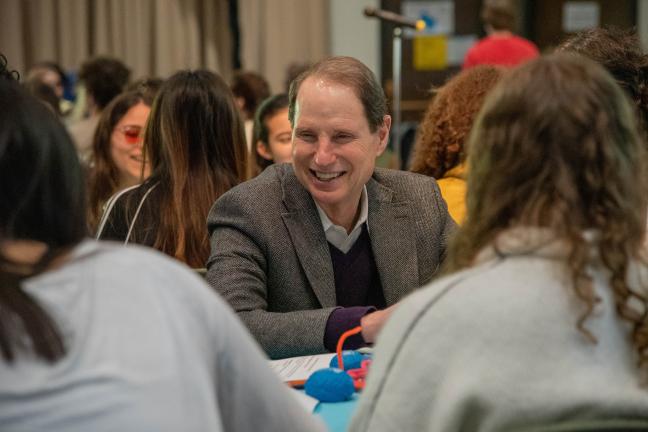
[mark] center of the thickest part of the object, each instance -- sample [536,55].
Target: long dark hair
[556,146]
[103,179]
[42,199]
[196,146]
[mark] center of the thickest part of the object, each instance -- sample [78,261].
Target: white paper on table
[309,403]
[365,350]
[300,368]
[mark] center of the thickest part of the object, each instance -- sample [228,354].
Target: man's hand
[372,323]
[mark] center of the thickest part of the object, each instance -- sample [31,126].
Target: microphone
[391,17]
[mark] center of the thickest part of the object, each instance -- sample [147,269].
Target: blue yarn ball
[351,360]
[330,385]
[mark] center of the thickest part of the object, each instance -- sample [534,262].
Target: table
[337,416]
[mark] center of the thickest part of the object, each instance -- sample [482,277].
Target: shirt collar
[336,234]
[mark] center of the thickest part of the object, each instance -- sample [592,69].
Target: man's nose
[324,154]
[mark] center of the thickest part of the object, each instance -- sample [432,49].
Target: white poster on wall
[438,15]
[580,15]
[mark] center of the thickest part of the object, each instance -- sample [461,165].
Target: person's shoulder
[120,210]
[442,297]
[465,289]
[399,177]
[483,44]
[134,194]
[132,257]
[123,204]
[524,43]
[260,196]
[267,184]
[405,183]
[523,40]
[443,285]
[475,47]
[145,269]
[452,185]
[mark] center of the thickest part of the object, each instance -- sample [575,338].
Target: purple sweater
[357,289]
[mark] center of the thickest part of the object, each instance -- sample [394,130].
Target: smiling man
[306,251]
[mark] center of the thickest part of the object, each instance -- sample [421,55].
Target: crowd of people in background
[503,279]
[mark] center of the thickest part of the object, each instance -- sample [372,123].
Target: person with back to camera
[272,135]
[50,74]
[500,46]
[195,146]
[620,52]
[440,149]
[45,94]
[250,89]
[117,160]
[103,78]
[541,317]
[304,252]
[98,337]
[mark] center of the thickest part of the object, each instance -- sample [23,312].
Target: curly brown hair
[620,52]
[556,146]
[448,119]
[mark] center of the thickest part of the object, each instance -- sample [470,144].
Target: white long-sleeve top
[150,348]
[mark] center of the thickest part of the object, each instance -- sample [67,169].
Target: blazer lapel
[393,242]
[308,238]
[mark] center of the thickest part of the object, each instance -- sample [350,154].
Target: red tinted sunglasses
[132,133]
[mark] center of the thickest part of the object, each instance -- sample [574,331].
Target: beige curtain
[153,37]
[32,31]
[276,33]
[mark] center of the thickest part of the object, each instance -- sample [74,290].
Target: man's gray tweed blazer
[270,259]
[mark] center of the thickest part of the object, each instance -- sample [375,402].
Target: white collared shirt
[337,235]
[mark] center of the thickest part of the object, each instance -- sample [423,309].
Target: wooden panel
[545,19]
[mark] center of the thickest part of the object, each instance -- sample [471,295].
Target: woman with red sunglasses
[195,144]
[117,161]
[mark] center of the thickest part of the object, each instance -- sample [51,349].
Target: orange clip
[341,341]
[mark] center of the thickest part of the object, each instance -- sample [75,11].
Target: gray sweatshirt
[496,347]
[150,348]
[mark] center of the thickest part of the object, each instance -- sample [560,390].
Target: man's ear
[383,134]
[264,151]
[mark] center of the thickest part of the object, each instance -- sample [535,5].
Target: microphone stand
[396,86]
[399,22]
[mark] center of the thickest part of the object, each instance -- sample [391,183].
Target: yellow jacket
[453,190]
